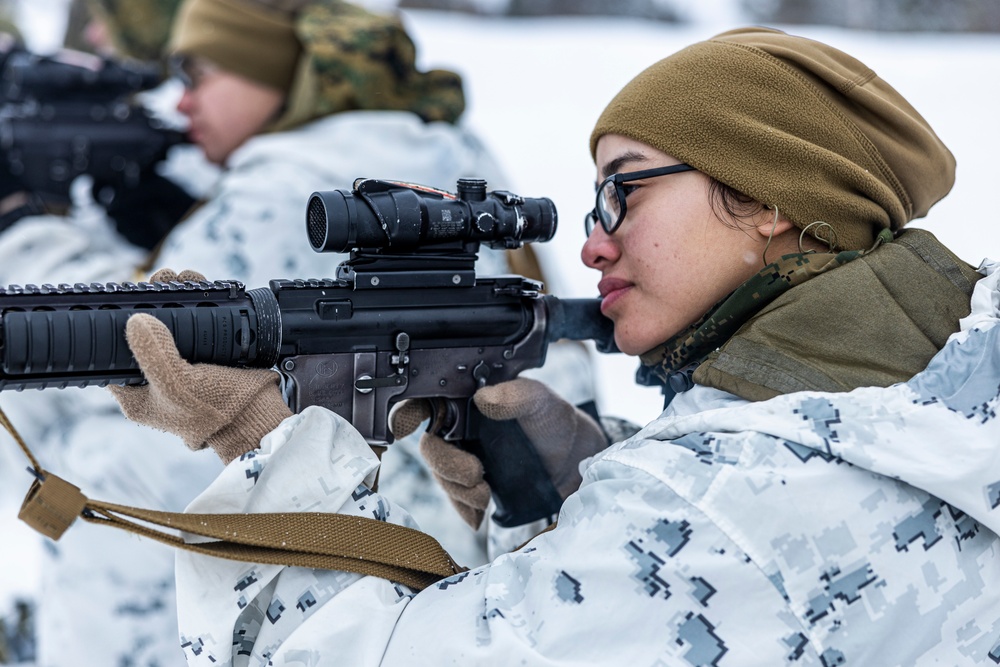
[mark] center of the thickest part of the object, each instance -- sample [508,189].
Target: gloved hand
[561,434]
[144,213]
[227,409]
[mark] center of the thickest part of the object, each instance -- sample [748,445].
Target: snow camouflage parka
[108,597]
[813,528]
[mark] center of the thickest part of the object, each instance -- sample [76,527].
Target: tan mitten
[562,434]
[458,472]
[227,409]
[170,276]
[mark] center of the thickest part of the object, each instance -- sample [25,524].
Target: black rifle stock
[403,321]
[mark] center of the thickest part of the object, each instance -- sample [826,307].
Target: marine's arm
[633,539]
[625,542]
[623,538]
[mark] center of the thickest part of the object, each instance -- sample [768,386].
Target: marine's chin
[628,345]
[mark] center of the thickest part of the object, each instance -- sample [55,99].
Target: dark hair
[733,207]
[730,203]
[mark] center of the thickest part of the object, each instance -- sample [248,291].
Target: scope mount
[451,264]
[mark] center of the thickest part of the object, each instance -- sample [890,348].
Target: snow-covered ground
[536,87]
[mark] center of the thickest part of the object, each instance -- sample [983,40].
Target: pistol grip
[521,488]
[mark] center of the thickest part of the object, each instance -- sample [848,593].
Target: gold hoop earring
[770,236]
[830,242]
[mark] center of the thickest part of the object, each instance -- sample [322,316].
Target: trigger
[445,418]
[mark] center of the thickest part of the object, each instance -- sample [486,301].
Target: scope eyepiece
[404,216]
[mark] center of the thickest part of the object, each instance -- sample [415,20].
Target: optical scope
[398,216]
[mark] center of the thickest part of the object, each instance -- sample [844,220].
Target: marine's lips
[611,290]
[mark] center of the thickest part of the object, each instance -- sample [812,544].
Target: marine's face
[98,35]
[672,258]
[224,109]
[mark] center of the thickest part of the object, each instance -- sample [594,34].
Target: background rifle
[405,317]
[72,113]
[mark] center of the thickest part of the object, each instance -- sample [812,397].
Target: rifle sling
[313,540]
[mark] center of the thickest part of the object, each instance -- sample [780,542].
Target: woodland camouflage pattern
[363,60]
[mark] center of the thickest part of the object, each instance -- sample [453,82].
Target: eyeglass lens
[608,206]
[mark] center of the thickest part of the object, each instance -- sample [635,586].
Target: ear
[767,226]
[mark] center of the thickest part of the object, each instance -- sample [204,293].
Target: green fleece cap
[327,56]
[244,37]
[793,123]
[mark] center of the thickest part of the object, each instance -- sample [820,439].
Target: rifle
[404,317]
[73,113]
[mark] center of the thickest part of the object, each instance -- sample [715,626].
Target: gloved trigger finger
[512,399]
[406,416]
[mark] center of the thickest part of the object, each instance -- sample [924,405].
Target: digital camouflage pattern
[356,60]
[822,529]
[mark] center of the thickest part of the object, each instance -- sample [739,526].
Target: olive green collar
[694,343]
[872,323]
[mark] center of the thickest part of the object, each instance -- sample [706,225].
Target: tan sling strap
[524,262]
[312,539]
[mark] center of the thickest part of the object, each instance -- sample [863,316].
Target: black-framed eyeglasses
[610,207]
[189,70]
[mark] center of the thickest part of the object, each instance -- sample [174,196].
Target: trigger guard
[445,422]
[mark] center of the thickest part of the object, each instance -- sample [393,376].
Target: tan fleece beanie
[792,123]
[245,37]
